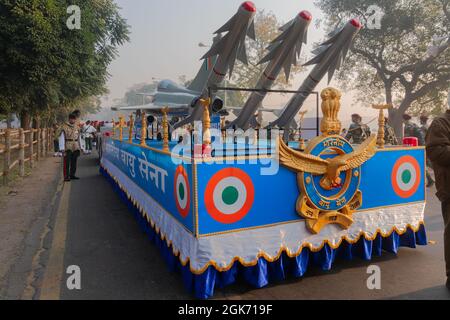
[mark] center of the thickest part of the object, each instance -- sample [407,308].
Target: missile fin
[287,25]
[251,31]
[333,67]
[305,36]
[298,48]
[316,59]
[282,36]
[334,36]
[287,69]
[227,26]
[345,50]
[242,56]
[294,57]
[320,49]
[217,48]
[268,57]
[273,46]
[233,60]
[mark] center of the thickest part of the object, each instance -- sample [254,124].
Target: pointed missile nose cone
[249,6]
[356,23]
[305,15]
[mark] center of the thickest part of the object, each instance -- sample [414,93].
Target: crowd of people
[358,132]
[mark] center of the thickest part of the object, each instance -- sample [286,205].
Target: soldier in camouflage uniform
[389,134]
[358,132]
[69,137]
[412,130]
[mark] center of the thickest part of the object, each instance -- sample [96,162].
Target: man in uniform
[412,130]
[438,150]
[389,133]
[69,137]
[358,132]
[424,125]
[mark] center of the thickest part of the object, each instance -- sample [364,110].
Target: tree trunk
[396,116]
[25,120]
[9,120]
[396,121]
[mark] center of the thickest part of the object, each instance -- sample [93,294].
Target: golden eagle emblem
[330,168]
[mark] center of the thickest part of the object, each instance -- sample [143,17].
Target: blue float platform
[218,220]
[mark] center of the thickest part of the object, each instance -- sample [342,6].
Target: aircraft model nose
[356,23]
[305,15]
[249,6]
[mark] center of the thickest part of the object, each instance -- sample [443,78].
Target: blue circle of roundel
[335,199]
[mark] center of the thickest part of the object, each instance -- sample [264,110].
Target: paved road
[95,231]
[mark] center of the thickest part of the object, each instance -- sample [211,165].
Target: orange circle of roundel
[213,211]
[403,160]
[183,211]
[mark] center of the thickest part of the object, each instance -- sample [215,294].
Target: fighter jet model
[329,57]
[284,51]
[227,49]
[178,98]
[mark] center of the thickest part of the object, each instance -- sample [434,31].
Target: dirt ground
[22,218]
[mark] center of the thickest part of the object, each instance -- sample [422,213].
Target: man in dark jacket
[412,130]
[438,150]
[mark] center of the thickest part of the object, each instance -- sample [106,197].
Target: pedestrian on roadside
[69,144]
[438,150]
[56,141]
[88,133]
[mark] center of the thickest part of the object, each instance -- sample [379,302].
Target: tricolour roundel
[406,176]
[229,195]
[182,191]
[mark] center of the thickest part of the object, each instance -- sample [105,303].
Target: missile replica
[329,57]
[284,52]
[227,49]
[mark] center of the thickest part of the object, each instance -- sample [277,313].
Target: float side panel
[275,196]
[161,181]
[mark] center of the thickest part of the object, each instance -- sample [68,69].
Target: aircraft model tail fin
[199,82]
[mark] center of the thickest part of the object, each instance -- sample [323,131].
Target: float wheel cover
[182,191]
[229,195]
[406,176]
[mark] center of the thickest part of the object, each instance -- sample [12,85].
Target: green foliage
[391,63]
[45,66]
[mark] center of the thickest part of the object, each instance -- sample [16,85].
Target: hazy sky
[165,36]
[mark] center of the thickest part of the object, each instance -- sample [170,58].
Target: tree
[44,65]
[394,62]
[246,76]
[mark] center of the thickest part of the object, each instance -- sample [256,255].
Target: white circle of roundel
[182,202]
[406,167]
[219,189]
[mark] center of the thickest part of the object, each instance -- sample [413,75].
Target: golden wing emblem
[299,161]
[364,152]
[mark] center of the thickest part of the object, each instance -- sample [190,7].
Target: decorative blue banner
[167,183]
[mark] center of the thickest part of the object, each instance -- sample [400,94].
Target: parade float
[263,210]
